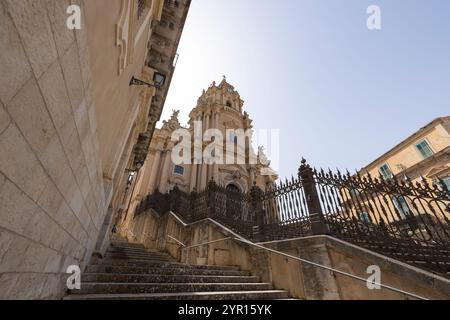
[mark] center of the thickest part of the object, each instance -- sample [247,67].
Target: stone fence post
[258,212]
[192,204]
[306,175]
[212,188]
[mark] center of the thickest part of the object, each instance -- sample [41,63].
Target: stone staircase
[131,272]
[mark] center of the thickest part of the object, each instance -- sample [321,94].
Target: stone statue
[175,114]
[262,158]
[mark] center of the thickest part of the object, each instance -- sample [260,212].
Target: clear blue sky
[340,94]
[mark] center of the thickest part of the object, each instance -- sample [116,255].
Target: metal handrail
[247,242]
[331,269]
[209,242]
[177,241]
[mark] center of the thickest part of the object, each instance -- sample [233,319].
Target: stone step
[143,257]
[160,264]
[129,246]
[143,250]
[125,242]
[130,288]
[130,271]
[138,255]
[167,270]
[164,278]
[223,295]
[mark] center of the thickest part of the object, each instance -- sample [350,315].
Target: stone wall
[319,283]
[51,190]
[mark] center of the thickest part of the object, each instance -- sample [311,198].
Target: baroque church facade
[219,107]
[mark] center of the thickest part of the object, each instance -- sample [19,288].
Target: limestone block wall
[355,260]
[154,230]
[323,284]
[51,191]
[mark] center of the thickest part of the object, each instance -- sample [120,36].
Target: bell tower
[221,107]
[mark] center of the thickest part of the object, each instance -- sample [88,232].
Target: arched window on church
[229,104]
[233,137]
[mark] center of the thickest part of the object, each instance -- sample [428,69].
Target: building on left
[77,113]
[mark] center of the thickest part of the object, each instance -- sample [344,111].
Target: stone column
[215,168]
[252,176]
[209,125]
[209,172]
[193,182]
[216,119]
[196,167]
[143,188]
[207,120]
[203,123]
[216,173]
[154,172]
[165,172]
[203,176]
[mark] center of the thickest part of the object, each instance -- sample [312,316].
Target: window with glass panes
[424,149]
[402,206]
[386,171]
[447,182]
[179,170]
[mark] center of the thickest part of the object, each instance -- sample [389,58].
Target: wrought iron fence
[415,212]
[396,217]
[229,207]
[406,220]
[285,212]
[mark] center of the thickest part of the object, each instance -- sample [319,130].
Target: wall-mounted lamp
[139,165]
[158,79]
